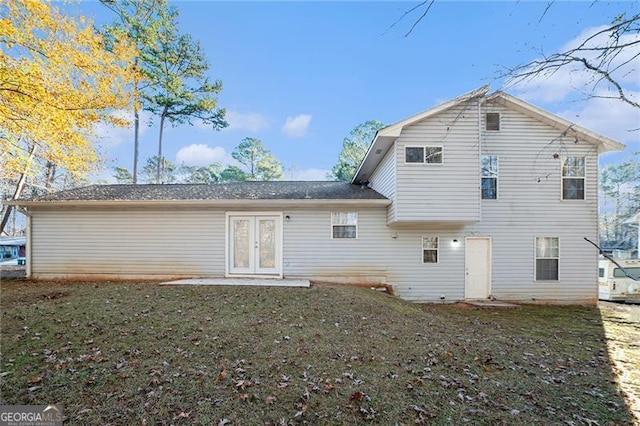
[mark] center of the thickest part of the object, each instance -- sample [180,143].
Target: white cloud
[296,127]
[307,174]
[559,84]
[609,117]
[108,136]
[586,100]
[202,155]
[252,122]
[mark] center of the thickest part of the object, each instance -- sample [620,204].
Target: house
[12,247]
[482,196]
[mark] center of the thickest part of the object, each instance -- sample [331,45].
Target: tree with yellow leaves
[58,80]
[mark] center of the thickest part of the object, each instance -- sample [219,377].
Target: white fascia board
[241,204]
[603,143]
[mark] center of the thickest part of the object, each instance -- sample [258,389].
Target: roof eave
[603,143]
[241,203]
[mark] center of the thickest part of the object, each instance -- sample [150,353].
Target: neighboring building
[12,247]
[483,196]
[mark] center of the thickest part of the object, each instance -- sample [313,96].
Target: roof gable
[385,137]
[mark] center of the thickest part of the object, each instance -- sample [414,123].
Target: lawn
[139,353]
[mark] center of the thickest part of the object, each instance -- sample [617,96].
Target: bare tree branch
[429,3]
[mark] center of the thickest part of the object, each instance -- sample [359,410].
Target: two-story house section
[483,196]
[494,197]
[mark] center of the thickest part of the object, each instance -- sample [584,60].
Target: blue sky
[300,75]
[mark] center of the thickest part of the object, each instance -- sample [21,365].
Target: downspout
[25,212]
[480,157]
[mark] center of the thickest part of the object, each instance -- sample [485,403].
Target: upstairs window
[429,249]
[344,225]
[489,177]
[423,154]
[573,178]
[547,258]
[492,121]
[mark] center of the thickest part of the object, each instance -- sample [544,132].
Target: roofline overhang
[385,137]
[603,143]
[247,204]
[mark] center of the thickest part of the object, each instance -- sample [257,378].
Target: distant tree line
[255,162]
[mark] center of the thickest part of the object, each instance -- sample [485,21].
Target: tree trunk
[136,143]
[19,189]
[50,175]
[160,159]
[136,125]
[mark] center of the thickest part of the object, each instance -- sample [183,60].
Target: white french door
[255,244]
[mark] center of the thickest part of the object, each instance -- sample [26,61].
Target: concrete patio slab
[258,282]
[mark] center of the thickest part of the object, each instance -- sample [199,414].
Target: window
[547,257]
[429,249]
[601,272]
[344,225]
[423,154]
[489,177]
[492,120]
[634,271]
[573,178]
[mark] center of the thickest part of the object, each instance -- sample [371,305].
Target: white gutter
[244,203]
[480,101]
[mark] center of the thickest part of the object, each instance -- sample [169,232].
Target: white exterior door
[255,244]
[478,268]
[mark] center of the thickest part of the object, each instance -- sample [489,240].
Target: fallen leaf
[270,400]
[223,374]
[35,379]
[356,396]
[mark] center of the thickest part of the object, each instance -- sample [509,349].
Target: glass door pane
[241,236]
[267,243]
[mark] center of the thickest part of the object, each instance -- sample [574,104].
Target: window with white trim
[429,249]
[492,121]
[489,177]
[423,154]
[573,178]
[344,224]
[547,258]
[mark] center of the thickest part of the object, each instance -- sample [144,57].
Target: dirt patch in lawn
[126,353]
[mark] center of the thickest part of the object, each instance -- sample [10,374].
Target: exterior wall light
[456,242]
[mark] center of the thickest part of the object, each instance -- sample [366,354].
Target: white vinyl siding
[383,180]
[448,193]
[530,205]
[132,243]
[380,253]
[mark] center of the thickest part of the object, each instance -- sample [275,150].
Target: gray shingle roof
[276,190]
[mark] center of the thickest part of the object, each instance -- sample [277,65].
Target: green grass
[126,353]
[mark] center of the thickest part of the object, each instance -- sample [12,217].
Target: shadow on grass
[136,352]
